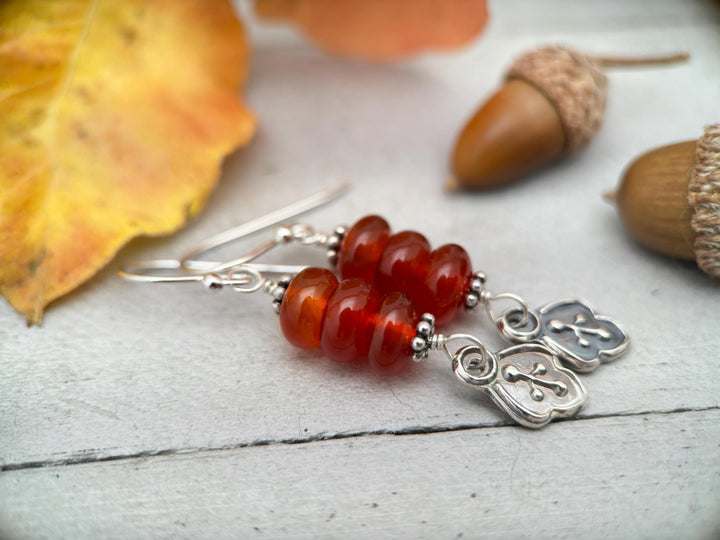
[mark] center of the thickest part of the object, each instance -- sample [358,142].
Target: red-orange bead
[304,305]
[447,276]
[349,321]
[402,264]
[390,348]
[361,248]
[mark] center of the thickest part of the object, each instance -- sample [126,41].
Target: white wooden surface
[151,411]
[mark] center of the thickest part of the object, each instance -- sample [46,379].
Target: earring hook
[193,261]
[242,278]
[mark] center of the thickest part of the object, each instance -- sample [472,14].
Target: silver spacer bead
[425,338]
[418,344]
[471,300]
[424,329]
[420,356]
[277,289]
[278,293]
[334,242]
[212,282]
[283,234]
[477,282]
[475,290]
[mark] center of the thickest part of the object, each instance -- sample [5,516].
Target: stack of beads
[387,281]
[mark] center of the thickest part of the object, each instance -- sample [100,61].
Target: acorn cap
[573,83]
[704,198]
[669,200]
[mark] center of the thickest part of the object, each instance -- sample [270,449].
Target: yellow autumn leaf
[114,119]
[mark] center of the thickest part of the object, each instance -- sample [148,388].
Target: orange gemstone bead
[390,347]
[349,321]
[304,305]
[435,281]
[402,263]
[447,277]
[361,248]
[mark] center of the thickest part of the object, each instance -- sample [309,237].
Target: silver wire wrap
[477,294]
[467,360]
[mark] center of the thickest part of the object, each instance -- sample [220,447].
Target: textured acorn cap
[573,83]
[704,198]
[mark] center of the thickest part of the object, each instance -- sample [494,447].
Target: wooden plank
[205,393]
[122,369]
[654,476]
[84,391]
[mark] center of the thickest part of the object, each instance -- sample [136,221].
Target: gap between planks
[97,458]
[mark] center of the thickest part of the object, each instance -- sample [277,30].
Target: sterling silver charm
[526,381]
[571,329]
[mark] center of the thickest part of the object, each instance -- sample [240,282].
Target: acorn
[669,200]
[550,106]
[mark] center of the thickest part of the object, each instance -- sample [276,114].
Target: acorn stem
[610,197]
[629,61]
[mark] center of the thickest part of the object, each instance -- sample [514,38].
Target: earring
[351,320]
[440,281]
[372,311]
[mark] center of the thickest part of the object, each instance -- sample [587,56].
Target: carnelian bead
[390,348]
[447,276]
[361,248]
[402,263]
[304,305]
[349,321]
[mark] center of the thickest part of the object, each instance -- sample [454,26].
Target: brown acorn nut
[550,106]
[669,200]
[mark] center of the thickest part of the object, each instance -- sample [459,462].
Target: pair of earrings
[391,293]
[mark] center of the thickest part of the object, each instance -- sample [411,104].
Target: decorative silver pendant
[526,381]
[571,329]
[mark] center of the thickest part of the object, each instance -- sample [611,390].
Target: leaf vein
[52,145]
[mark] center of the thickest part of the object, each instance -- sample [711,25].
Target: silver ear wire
[238,273]
[242,278]
[192,260]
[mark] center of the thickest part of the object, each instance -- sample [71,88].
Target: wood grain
[657,476]
[249,432]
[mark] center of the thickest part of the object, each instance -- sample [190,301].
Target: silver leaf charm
[526,381]
[571,328]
